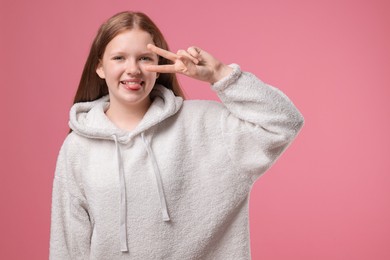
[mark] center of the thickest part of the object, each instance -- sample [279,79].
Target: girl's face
[123,68]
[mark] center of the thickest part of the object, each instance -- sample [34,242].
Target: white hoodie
[177,186]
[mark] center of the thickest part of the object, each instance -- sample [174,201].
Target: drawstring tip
[166,216]
[124,247]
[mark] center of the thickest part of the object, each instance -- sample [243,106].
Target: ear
[100,71]
[157,75]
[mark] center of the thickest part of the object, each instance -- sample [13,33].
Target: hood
[88,119]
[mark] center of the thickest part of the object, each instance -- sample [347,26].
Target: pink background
[328,197]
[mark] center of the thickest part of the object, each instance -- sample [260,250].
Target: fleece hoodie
[177,186]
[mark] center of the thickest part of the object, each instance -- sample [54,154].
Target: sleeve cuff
[228,80]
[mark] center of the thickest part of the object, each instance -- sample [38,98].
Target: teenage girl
[146,175]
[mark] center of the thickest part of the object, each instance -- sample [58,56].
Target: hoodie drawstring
[123,205]
[122,183]
[163,201]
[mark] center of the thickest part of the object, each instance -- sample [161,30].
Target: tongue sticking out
[132,85]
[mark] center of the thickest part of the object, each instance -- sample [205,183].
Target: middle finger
[188,55]
[161,52]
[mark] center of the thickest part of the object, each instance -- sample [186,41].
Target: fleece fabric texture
[177,186]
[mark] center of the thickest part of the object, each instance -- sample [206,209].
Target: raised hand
[195,63]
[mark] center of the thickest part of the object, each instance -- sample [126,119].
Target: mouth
[132,84]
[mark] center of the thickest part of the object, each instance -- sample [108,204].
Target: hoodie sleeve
[71,228]
[259,122]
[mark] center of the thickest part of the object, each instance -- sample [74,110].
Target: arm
[259,122]
[71,228]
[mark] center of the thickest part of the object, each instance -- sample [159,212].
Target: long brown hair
[91,86]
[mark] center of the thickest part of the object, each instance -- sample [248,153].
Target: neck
[126,116]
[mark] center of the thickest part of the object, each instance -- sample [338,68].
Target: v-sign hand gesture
[195,63]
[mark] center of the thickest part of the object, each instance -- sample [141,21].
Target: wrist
[220,72]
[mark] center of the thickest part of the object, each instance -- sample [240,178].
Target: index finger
[161,68]
[161,52]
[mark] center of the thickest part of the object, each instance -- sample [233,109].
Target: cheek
[152,77]
[118,70]
[113,75]
[114,69]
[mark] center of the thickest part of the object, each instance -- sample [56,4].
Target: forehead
[130,40]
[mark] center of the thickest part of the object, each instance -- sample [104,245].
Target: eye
[146,58]
[118,58]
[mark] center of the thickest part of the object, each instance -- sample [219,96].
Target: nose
[132,67]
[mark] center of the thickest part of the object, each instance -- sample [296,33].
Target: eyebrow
[149,53]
